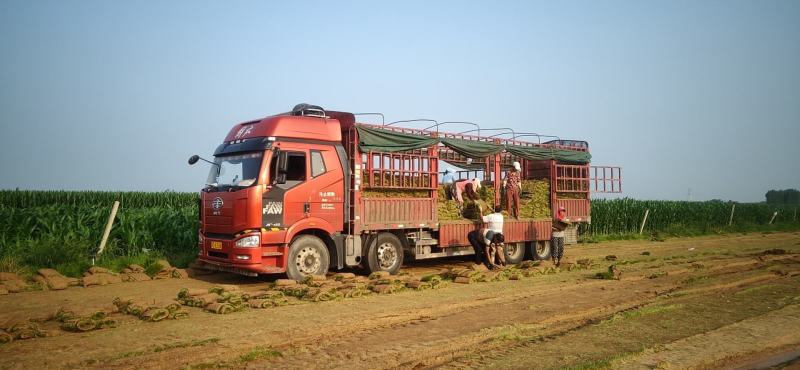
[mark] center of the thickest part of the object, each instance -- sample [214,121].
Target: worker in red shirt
[465,188]
[560,223]
[513,186]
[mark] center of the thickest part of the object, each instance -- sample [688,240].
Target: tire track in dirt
[496,352]
[774,330]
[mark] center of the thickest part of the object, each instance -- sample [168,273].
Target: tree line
[788,196]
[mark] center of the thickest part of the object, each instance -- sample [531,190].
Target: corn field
[60,228]
[130,199]
[57,228]
[622,216]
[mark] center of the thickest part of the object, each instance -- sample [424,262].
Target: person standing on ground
[560,224]
[489,240]
[513,186]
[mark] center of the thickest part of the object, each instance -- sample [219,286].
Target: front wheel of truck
[386,254]
[308,255]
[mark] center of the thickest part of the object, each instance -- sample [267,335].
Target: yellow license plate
[216,245]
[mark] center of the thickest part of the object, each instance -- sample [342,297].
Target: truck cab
[273,181]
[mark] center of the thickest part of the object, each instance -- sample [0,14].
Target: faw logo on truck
[273,208]
[245,130]
[217,203]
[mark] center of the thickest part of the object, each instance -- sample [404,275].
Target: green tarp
[472,148]
[538,153]
[390,141]
[376,139]
[474,166]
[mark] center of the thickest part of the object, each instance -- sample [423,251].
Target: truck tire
[515,252]
[386,254]
[308,255]
[540,250]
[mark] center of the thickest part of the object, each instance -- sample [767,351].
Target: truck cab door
[308,182]
[326,185]
[286,201]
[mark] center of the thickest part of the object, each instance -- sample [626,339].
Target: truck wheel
[308,255]
[541,250]
[386,254]
[515,252]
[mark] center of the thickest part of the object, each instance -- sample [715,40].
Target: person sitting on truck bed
[466,188]
[489,240]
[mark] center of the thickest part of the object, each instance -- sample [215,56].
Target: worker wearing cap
[560,223]
[513,186]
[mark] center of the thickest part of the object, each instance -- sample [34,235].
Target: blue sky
[682,94]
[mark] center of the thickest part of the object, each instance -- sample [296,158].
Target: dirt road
[688,303]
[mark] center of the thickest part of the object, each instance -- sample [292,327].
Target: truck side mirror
[193,159]
[281,167]
[283,163]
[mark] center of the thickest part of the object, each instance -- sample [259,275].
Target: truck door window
[317,163]
[296,170]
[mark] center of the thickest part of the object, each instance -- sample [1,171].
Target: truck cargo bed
[398,213]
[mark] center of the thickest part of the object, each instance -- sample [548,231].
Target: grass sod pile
[21,331]
[534,200]
[76,322]
[449,210]
[150,311]
[226,299]
[534,197]
[223,299]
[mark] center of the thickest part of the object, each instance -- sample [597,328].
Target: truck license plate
[216,245]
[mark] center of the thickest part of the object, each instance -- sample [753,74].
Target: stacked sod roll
[534,201]
[152,312]
[72,321]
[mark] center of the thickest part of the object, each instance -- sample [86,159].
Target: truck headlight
[252,241]
[200,238]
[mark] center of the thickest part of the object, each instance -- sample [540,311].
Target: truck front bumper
[223,255]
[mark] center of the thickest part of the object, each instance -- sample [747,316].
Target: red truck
[285,193]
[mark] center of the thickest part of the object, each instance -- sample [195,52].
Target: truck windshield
[238,170]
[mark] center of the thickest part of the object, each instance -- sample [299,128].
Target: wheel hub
[511,249]
[542,249]
[308,261]
[387,256]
